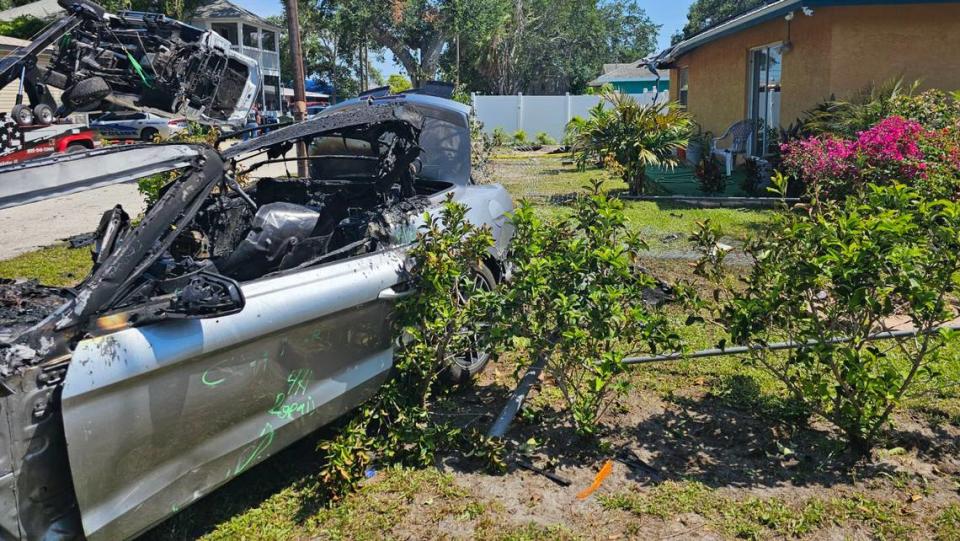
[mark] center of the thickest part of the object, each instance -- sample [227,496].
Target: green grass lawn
[547,180]
[57,265]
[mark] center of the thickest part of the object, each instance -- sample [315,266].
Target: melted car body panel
[178,408]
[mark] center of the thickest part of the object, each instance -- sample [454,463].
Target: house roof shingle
[224,9]
[41,9]
[632,71]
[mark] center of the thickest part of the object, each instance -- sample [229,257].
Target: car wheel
[22,114]
[148,134]
[86,92]
[466,366]
[76,147]
[43,114]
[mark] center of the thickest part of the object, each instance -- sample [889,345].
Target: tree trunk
[418,70]
[635,180]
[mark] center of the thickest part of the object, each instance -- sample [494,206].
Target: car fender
[86,138]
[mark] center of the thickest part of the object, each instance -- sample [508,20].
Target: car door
[121,126]
[157,416]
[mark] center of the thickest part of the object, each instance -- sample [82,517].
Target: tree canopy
[493,46]
[545,46]
[706,13]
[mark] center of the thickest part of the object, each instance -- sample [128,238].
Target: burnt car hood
[444,131]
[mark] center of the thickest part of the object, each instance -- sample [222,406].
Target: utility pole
[299,88]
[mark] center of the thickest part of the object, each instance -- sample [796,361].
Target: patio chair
[740,132]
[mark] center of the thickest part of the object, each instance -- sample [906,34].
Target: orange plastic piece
[601,475]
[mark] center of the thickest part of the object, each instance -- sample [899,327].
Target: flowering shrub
[832,280]
[894,149]
[893,138]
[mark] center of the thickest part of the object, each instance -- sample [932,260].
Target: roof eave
[752,18]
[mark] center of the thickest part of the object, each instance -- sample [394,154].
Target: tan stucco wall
[836,52]
[878,43]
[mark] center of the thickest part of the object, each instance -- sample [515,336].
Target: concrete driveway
[35,225]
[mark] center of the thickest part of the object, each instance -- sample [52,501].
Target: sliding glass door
[766,69]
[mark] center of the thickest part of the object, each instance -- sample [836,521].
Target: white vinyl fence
[535,114]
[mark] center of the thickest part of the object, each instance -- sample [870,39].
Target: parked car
[314,110]
[137,125]
[228,322]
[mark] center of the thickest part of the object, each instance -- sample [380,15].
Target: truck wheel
[43,114]
[148,134]
[467,365]
[22,114]
[86,92]
[76,147]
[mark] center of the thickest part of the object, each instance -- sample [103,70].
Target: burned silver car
[228,322]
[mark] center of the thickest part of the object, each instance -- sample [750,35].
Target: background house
[776,62]
[631,79]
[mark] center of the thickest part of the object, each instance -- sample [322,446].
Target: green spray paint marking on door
[264,441]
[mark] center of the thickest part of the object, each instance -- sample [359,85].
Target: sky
[672,14]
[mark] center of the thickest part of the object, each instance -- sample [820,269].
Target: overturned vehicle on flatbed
[129,60]
[228,322]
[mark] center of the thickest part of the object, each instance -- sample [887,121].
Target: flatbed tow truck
[103,61]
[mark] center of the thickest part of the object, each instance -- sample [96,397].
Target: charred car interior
[234,318]
[136,60]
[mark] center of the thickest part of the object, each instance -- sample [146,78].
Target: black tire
[76,147]
[466,367]
[86,92]
[148,134]
[22,114]
[43,114]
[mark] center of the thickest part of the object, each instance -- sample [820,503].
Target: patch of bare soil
[734,455]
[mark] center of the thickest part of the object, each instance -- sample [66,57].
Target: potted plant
[632,135]
[698,146]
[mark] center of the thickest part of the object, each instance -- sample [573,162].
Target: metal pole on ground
[502,424]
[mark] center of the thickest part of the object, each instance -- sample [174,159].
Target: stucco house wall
[836,52]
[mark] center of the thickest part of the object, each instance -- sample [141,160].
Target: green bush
[572,129]
[543,138]
[575,301]
[439,323]
[710,174]
[834,276]
[499,137]
[634,136]
[481,148]
[519,138]
[933,109]
[398,83]
[22,27]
